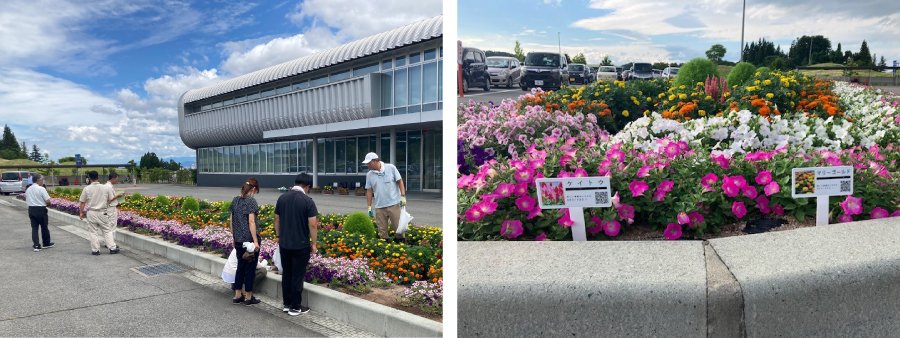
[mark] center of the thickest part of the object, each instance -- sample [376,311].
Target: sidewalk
[425,207]
[65,291]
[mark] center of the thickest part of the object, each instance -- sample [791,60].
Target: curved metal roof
[398,37]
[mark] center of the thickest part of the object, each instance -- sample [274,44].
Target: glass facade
[418,157]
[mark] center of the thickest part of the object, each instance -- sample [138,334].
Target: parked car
[504,70]
[657,73]
[670,72]
[545,70]
[593,73]
[607,73]
[579,73]
[640,71]
[620,73]
[13,181]
[474,69]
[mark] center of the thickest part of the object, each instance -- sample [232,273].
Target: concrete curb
[835,281]
[370,316]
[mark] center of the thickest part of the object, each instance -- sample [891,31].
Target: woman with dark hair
[244,210]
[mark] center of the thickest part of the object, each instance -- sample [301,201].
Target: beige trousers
[98,226]
[387,216]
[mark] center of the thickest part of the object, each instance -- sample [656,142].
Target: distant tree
[606,61]
[35,154]
[800,50]
[882,64]
[837,56]
[716,53]
[864,57]
[23,152]
[579,58]
[171,165]
[150,160]
[519,53]
[489,53]
[757,52]
[9,147]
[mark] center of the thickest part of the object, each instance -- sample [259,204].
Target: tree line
[10,149]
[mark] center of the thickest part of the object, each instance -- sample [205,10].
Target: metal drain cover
[157,269]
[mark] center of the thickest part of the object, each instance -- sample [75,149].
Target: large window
[320,156]
[329,156]
[400,91]
[340,156]
[415,89]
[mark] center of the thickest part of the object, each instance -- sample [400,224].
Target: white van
[13,181]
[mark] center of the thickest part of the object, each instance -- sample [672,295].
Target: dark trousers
[38,216]
[294,263]
[246,270]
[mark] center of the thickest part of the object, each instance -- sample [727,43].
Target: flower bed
[683,175]
[367,262]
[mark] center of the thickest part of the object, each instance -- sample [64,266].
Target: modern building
[322,113]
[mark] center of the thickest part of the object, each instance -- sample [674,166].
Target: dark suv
[545,70]
[475,70]
[579,73]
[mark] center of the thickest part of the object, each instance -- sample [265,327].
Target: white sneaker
[294,312]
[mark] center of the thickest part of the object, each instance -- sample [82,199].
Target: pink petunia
[762,203]
[504,190]
[525,203]
[844,218]
[672,150]
[772,188]
[524,176]
[722,161]
[474,215]
[541,237]
[638,188]
[487,207]
[662,189]
[878,213]
[511,228]
[730,187]
[709,181]
[612,228]
[598,226]
[852,205]
[580,173]
[778,209]
[615,155]
[750,192]
[738,209]
[896,213]
[521,189]
[683,218]
[764,177]
[672,232]
[696,219]
[565,221]
[644,171]
[626,212]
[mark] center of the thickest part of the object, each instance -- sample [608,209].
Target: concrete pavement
[65,291]
[424,207]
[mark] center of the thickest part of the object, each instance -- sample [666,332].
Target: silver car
[504,70]
[607,73]
[670,72]
[13,182]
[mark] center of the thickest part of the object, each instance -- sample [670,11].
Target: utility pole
[743,16]
[810,51]
[559,43]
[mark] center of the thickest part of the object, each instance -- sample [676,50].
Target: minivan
[545,70]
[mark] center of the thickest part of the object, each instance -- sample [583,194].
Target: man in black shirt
[296,226]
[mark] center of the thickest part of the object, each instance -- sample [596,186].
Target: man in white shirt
[95,199]
[384,189]
[36,197]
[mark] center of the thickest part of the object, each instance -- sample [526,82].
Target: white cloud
[553,2]
[242,60]
[360,18]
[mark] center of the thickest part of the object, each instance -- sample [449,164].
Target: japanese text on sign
[574,192]
[821,181]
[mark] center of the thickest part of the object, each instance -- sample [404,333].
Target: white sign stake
[574,194]
[821,183]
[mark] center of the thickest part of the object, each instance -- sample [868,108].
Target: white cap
[370,157]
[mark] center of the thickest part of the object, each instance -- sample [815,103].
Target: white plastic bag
[230,268]
[405,218]
[276,258]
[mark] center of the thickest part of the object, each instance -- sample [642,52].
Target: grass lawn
[837,72]
[724,70]
[58,172]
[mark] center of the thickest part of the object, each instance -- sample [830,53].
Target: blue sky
[638,30]
[102,78]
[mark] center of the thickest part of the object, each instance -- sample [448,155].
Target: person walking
[95,200]
[36,197]
[296,227]
[385,188]
[244,211]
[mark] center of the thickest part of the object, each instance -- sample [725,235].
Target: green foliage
[716,53]
[190,203]
[579,58]
[764,71]
[741,72]
[695,71]
[162,202]
[520,54]
[360,223]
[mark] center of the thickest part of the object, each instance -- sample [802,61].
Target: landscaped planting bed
[685,162]
[407,275]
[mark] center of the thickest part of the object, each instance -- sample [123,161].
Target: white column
[315,164]
[393,159]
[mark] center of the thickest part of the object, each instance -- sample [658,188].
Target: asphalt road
[424,207]
[65,291]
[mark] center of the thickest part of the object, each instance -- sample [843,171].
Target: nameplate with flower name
[821,181]
[574,192]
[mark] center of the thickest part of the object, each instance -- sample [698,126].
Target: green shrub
[695,71]
[763,70]
[360,223]
[741,72]
[161,202]
[190,203]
